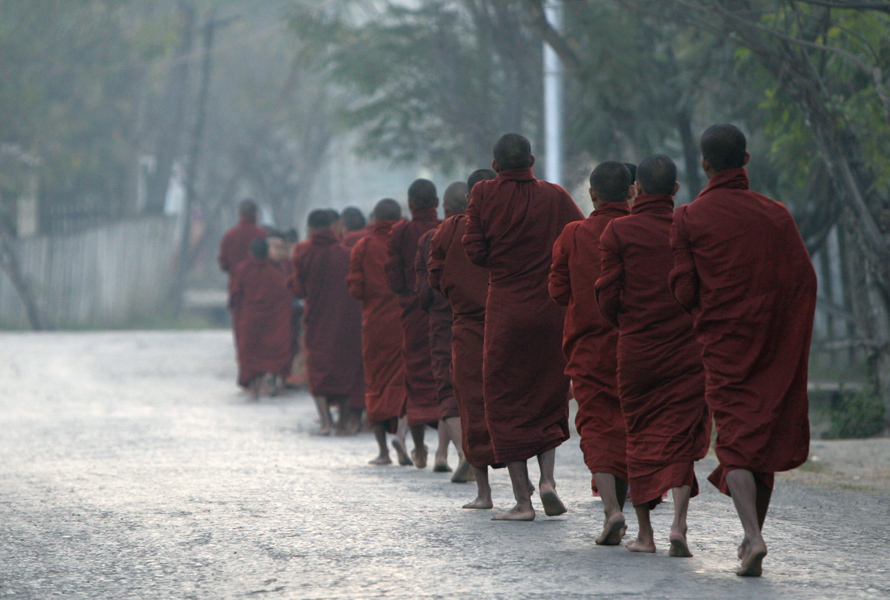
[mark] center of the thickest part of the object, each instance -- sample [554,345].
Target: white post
[553,76]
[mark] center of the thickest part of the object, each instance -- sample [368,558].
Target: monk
[385,392]
[441,318]
[512,224]
[465,285]
[353,226]
[259,296]
[235,244]
[742,269]
[423,404]
[590,344]
[661,380]
[332,321]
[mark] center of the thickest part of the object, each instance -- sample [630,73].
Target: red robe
[742,269]
[466,287]
[258,295]
[423,402]
[385,392]
[235,245]
[332,320]
[661,380]
[439,311]
[590,342]
[352,237]
[512,224]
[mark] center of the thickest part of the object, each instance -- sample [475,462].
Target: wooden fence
[102,277]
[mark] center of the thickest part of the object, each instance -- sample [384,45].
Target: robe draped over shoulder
[235,245]
[742,269]
[512,224]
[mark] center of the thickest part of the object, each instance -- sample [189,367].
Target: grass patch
[813,466]
[855,415]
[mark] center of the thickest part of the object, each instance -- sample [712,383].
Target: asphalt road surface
[132,467]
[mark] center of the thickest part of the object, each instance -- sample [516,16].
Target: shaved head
[633,170]
[610,181]
[657,175]
[387,210]
[247,208]
[320,219]
[353,219]
[513,151]
[259,248]
[455,199]
[724,146]
[422,193]
[480,175]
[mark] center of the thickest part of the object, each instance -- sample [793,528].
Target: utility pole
[553,105]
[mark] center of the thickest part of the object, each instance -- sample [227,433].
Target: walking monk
[512,224]
[590,343]
[423,403]
[742,269]
[235,244]
[353,225]
[385,392]
[441,318]
[258,295]
[661,381]
[333,324]
[466,287]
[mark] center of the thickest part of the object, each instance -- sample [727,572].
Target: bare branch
[851,5]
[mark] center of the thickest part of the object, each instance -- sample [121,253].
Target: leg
[253,388]
[399,443]
[522,491]
[464,471]
[418,455]
[552,504]
[383,453]
[743,487]
[645,541]
[483,490]
[679,547]
[441,464]
[608,486]
[324,415]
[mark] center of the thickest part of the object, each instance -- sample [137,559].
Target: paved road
[130,467]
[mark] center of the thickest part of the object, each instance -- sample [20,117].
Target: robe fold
[661,380]
[331,318]
[439,311]
[423,402]
[235,245]
[512,224]
[385,392]
[466,287]
[742,269]
[351,238]
[590,342]
[259,296]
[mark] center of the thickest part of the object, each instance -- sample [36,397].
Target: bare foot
[418,455]
[323,432]
[640,546]
[743,548]
[399,446]
[253,388]
[517,513]
[679,547]
[480,503]
[381,461]
[752,561]
[441,467]
[553,506]
[612,528]
[463,473]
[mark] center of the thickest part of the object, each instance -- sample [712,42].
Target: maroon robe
[742,269]
[259,297]
[351,238]
[235,245]
[439,310]
[332,320]
[466,287]
[512,224]
[661,380]
[423,402]
[385,392]
[590,342]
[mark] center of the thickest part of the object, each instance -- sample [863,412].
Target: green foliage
[859,415]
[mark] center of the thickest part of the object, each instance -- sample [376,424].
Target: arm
[236,290]
[683,280]
[568,210]
[355,280]
[421,282]
[394,267]
[438,250]
[610,286]
[297,282]
[222,258]
[560,285]
[475,244]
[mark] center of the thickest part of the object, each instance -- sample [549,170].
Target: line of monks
[659,322]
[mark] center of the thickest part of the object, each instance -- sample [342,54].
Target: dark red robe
[332,320]
[439,310]
[661,380]
[235,245]
[466,287]
[423,402]
[590,342]
[385,392]
[512,224]
[352,237]
[742,269]
[259,296]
